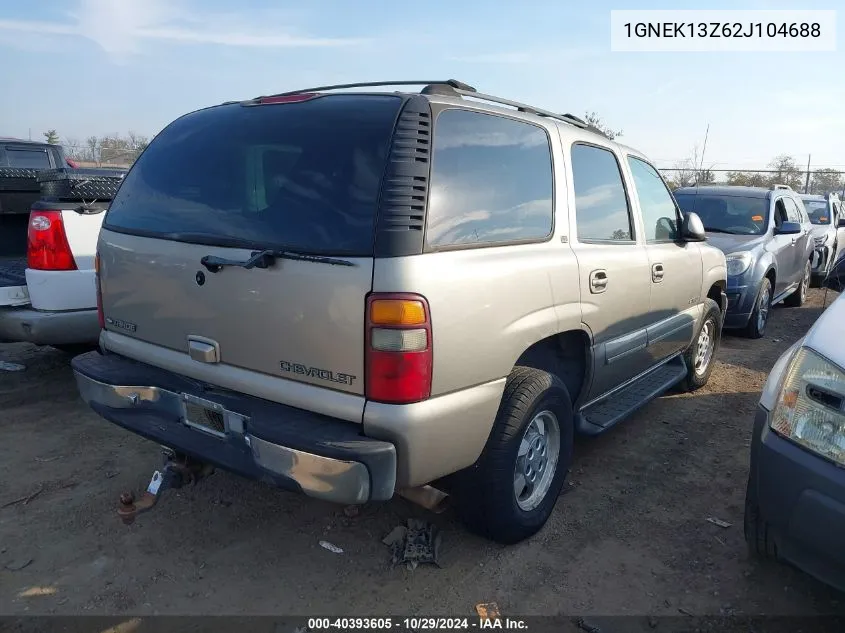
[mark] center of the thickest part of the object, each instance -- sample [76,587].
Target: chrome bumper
[335,480]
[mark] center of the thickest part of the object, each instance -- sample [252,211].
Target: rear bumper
[293,449]
[801,497]
[48,328]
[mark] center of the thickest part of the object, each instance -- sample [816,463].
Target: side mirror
[788,228]
[835,279]
[841,223]
[692,228]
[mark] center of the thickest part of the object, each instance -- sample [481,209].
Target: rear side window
[28,158]
[660,217]
[491,181]
[601,204]
[303,176]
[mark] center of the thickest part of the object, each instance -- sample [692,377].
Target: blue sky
[93,67]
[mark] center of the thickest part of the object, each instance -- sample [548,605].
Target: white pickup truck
[49,296]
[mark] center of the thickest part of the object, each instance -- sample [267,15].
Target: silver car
[825,213]
[358,294]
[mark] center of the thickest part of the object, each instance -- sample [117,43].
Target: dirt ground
[629,537]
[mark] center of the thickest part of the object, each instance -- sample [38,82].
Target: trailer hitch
[178,471]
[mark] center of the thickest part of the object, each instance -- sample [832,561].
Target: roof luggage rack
[781,187]
[445,87]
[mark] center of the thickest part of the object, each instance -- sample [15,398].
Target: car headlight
[809,409]
[738,263]
[821,241]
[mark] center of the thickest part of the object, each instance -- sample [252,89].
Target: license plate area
[205,415]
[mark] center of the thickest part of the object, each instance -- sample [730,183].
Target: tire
[797,298]
[756,530]
[488,500]
[756,326]
[700,354]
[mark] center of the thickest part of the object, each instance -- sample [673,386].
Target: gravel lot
[630,536]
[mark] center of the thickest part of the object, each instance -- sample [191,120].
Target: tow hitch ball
[177,472]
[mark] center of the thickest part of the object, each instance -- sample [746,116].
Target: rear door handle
[657,273]
[598,281]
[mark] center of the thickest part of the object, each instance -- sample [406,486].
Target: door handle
[598,281]
[657,273]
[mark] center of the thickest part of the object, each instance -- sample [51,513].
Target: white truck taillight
[47,244]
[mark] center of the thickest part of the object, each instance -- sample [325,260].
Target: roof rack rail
[522,107]
[454,83]
[781,187]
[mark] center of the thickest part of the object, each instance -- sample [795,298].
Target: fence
[802,181]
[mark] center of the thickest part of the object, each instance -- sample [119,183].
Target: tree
[826,181]
[786,171]
[597,124]
[73,148]
[691,171]
[52,137]
[747,179]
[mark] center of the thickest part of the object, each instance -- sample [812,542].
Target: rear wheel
[511,492]
[759,318]
[797,298]
[699,355]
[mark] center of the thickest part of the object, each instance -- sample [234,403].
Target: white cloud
[122,28]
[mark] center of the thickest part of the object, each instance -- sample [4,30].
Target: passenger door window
[780,212]
[660,215]
[792,212]
[601,203]
[491,181]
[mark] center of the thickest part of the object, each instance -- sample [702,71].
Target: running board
[601,415]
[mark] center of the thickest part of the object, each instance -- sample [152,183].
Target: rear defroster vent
[404,194]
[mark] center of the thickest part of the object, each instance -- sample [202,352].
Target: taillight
[101,317]
[399,348]
[47,245]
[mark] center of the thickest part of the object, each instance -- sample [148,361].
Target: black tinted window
[304,176]
[660,217]
[491,181]
[738,215]
[28,158]
[601,206]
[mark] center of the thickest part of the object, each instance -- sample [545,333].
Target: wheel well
[715,293]
[771,275]
[565,355]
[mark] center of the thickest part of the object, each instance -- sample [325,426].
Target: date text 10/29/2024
[416,624]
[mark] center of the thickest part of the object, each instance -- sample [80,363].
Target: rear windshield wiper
[266,258]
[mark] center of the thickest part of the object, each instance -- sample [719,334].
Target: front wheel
[797,298]
[759,318]
[511,492]
[699,355]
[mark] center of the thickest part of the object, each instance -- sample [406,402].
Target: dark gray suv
[766,237]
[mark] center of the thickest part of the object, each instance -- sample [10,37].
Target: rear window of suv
[304,176]
[818,210]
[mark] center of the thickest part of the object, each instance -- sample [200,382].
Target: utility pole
[807,182]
